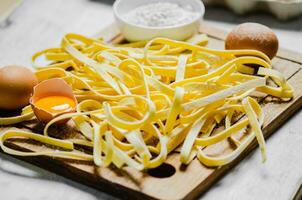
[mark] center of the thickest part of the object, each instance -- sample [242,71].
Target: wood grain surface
[173,180]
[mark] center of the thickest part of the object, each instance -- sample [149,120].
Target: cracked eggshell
[51,87]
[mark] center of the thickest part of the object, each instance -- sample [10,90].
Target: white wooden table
[39,24]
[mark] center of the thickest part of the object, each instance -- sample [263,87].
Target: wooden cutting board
[172,180]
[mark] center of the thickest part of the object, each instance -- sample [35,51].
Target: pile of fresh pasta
[139,102]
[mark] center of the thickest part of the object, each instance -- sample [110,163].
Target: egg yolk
[55,104]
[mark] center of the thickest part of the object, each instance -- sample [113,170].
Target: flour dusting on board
[161,14]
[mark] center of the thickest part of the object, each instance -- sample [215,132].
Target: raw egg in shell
[16,86]
[52,98]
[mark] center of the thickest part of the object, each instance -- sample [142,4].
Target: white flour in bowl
[160,14]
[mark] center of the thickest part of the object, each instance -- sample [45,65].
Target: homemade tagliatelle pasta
[140,101]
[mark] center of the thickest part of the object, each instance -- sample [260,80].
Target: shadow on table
[42,174]
[108,2]
[225,15]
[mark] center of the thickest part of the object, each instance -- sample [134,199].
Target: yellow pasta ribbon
[139,102]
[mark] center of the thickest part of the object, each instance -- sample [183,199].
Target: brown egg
[56,94]
[253,36]
[16,86]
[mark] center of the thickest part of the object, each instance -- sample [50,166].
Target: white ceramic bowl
[133,32]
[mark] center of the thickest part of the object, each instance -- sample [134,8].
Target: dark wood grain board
[181,182]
